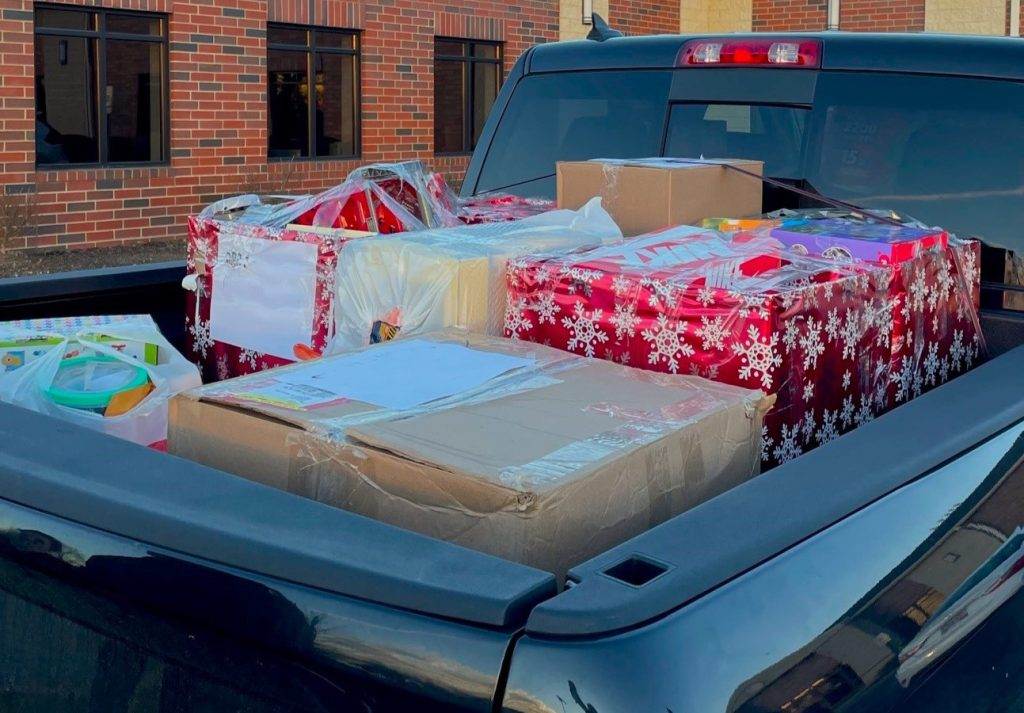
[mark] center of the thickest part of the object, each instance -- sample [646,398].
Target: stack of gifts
[261,269]
[835,341]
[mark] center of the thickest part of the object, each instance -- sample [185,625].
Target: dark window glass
[288,97]
[449,48]
[484,50]
[467,76]
[134,101]
[574,116]
[772,134]
[66,102]
[135,24]
[449,106]
[318,114]
[277,35]
[485,90]
[65,19]
[946,150]
[335,40]
[335,105]
[82,119]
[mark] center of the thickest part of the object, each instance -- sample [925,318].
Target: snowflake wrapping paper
[221,360]
[931,314]
[824,338]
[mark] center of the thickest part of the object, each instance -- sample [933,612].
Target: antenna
[601,31]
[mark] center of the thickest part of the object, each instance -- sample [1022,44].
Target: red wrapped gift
[261,271]
[689,301]
[934,294]
[936,333]
[381,198]
[216,334]
[494,208]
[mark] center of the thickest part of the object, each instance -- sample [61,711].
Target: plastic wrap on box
[836,342]
[424,281]
[34,351]
[546,463]
[261,269]
[934,293]
[257,297]
[497,207]
[379,198]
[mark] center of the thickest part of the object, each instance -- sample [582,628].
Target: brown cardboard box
[547,466]
[644,195]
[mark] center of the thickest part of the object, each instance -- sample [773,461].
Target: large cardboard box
[644,195]
[547,464]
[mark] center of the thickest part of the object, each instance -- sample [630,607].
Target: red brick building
[120,117]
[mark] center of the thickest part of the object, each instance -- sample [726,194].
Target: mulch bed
[42,262]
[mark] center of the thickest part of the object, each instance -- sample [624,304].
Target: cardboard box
[644,195]
[548,464]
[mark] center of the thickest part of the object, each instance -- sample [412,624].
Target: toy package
[849,240]
[113,374]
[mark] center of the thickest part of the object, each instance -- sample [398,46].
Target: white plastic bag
[419,282]
[146,423]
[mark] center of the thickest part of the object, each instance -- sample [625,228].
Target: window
[773,134]
[572,116]
[321,123]
[100,87]
[467,75]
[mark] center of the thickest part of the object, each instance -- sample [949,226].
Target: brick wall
[787,15]
[649,17]
[218,118]
[882,15]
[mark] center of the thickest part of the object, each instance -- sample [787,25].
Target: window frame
[101,35]
[311,48]
[468,89]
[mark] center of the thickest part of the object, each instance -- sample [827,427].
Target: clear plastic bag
[424,281]
[32,385]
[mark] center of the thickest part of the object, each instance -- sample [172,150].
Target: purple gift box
[849,240]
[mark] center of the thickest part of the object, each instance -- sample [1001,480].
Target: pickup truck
[879,572]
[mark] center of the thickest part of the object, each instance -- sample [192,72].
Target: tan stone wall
[715,16]
[973,17]
[570,21]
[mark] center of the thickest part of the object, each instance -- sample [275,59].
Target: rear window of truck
[574,115]
[946,150]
